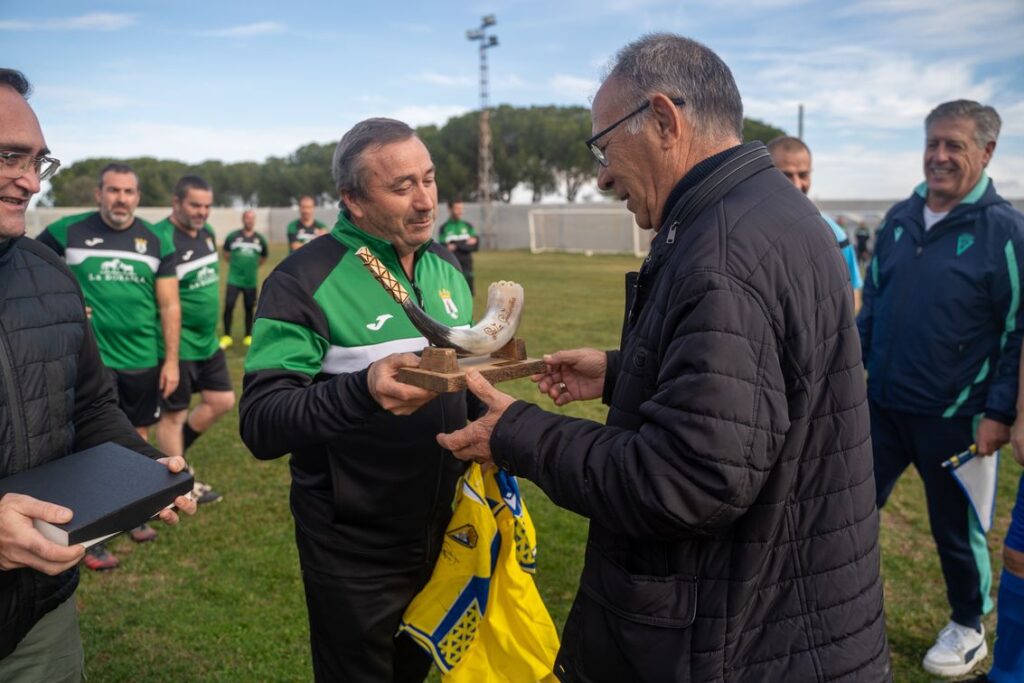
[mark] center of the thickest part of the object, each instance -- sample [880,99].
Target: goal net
[586,231]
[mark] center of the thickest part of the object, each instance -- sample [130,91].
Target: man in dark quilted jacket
[733,528]
[54,399]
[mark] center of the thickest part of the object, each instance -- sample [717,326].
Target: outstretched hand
[473,442]
[574,375]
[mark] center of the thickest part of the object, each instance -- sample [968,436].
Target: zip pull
[672,233]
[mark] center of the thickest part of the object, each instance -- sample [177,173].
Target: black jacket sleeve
[711,429]
[283,408]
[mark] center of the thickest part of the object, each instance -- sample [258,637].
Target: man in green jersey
[305,228]
[371,489]
[203,368]
[245,251]
[460,238]
[126,271]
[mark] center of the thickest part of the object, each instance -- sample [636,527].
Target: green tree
[759,130]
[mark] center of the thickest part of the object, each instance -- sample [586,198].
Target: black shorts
[198,375]
[138,394]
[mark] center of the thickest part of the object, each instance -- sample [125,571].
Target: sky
[239,81]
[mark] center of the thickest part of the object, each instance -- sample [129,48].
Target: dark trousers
[248,306]
[353,620]
[900,439]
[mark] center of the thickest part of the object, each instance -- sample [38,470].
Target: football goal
[586,231]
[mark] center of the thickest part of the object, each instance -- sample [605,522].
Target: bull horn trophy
[490,346]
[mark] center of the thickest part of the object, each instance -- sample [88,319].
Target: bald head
[793,158]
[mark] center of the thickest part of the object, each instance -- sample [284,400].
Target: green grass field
[219,598]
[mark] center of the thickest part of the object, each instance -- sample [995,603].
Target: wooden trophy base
[442,371]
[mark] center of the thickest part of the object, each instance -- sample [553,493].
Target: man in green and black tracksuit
[371,489]
[461,239]
[245,251]
[126,271]
[203,367]
[305,228]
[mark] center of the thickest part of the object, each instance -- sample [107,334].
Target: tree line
[539,147]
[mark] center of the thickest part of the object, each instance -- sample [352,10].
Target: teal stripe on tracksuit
[1011,320]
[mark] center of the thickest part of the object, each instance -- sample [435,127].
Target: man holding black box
[55,398]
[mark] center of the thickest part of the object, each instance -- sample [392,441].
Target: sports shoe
[99,559]
[142,534]
[226,341]
[956,651]
[247,340]
[204,493]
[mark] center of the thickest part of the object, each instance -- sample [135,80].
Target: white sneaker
[956,651]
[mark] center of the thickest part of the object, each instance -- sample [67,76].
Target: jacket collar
[976,193]
[346,232]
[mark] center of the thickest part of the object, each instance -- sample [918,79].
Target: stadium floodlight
[485,158]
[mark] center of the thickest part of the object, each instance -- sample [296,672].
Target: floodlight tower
[485,159]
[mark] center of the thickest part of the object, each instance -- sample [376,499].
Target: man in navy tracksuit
[941,334]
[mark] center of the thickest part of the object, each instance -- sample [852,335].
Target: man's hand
[575,375]
[182,503]
[473,442]
[1017,439]
[22,546]
[392,395]
[168,378]
[991,436]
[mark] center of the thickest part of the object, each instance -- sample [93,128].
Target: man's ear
[669,120]
[351,204]
[990,149]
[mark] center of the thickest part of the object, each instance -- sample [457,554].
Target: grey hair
[347,164]
[679,67]
[986,119]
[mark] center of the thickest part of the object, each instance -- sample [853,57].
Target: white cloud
[857,88]
[259,28]
[446,80]
[989,28]
[92,21]
[573,87]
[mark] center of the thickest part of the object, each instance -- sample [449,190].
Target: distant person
[203,368]
[461,239]
[245,251]
[55,398]
[863,237]
[371,489]
[305,228]
[793,157]
[126,271]
[941,335]
[733,534]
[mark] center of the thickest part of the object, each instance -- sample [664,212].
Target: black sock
[189,434]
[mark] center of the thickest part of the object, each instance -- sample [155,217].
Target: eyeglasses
[16,164]
[591,143]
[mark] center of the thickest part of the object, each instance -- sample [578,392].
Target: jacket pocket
[663,601]
[629,627]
